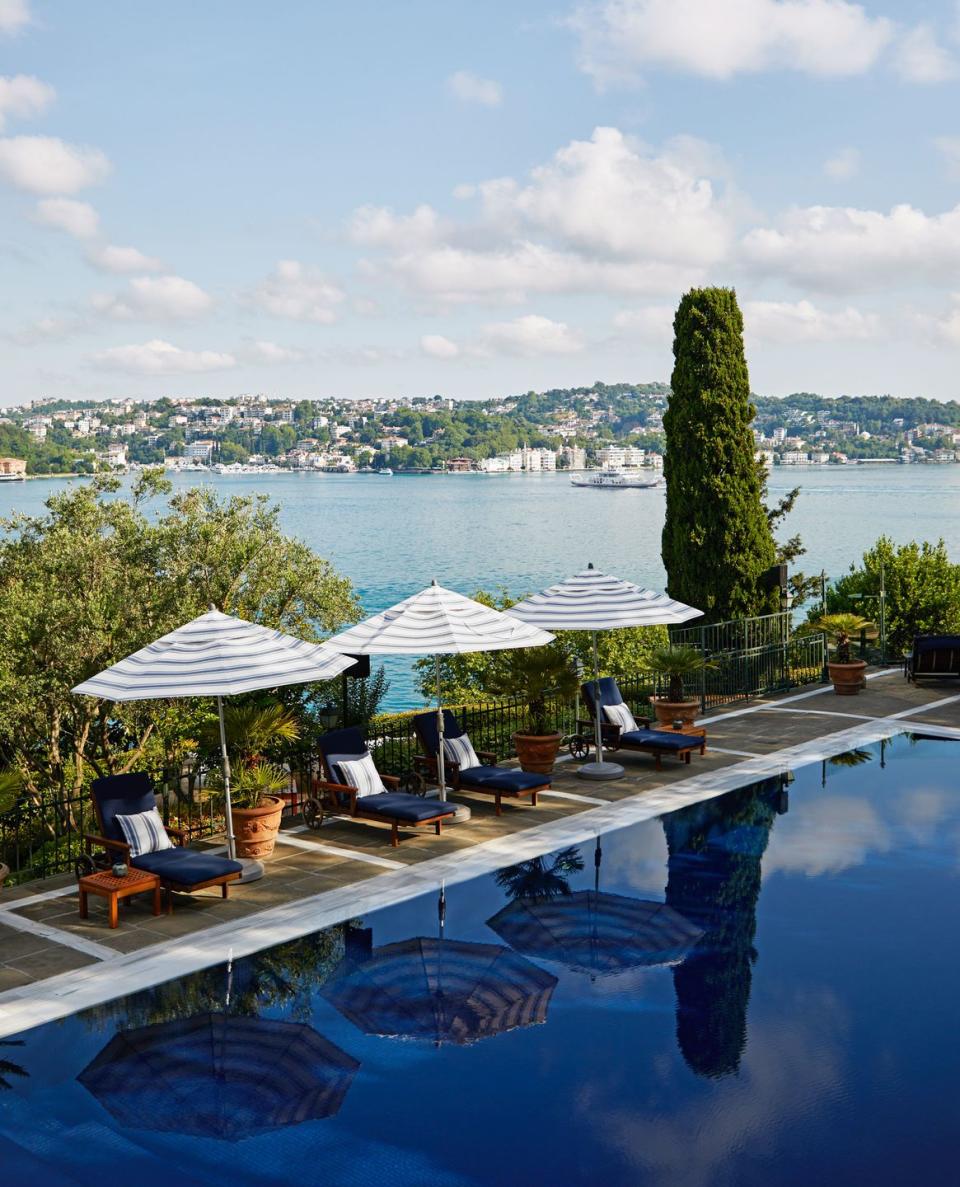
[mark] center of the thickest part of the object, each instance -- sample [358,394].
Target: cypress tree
[717,539]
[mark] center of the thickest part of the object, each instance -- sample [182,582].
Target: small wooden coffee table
[113,889]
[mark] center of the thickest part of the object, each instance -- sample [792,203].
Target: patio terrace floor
[52,962]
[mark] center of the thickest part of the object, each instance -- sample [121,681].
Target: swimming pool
[759,988]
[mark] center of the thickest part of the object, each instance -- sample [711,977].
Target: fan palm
[840,627]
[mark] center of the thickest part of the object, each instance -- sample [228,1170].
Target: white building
[199,451]
[575,457]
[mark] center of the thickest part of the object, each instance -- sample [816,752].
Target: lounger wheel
[413,783]
[84,865]
[579,747]
[312,813]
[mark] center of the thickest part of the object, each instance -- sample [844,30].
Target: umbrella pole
[252,869]
[440,755]
[598,770]
[231,839]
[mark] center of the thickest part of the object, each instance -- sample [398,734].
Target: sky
[319,199]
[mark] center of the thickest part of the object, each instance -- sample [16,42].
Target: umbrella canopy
[215,655]
[595,932]
[595,601]
[219,1076]
[446,991]
[437,622]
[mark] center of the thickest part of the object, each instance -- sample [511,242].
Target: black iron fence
[40,837]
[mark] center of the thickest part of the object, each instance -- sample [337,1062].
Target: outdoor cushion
[127,794]
[502,779]
[362,774]
[426,726]
[186,867]
[398,805]
[662,739]
[144,832]
[621,716]
[460,750]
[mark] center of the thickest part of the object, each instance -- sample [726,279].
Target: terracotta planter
[670,711]
[256,828]
[4,873]
[537,752]
[847,678]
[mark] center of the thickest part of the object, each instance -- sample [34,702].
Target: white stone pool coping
[120,974]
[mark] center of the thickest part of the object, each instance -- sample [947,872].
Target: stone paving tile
[14,944]
[11,978]
[57,960]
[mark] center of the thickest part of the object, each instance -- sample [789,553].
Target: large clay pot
[256,828]
[537,752]
[4,873]
[847,678]
[670,711]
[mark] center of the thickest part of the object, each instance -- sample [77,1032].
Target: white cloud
[788,323]
[299,292]
[47,165]
[78,219]
[949,149]
[23,96]
[603,215]
[157,357]
[531,335]
[842,164]
[110,258]
[52,328]
[920,57]
[619,38]
[654,323]
[844,249]
[169,298]
[470,88]
[272,352]
[438,347]
[14,16]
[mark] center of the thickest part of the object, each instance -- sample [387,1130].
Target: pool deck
[53,963]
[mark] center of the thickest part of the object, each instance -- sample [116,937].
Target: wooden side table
[113,889]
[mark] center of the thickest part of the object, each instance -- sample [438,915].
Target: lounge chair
[335,792]
[648,741]
[178,868]
[487,777]
[933,655]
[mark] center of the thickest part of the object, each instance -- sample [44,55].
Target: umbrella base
[600,771]
[252,869]
[463,812]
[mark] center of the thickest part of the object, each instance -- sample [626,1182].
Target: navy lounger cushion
[122,794]
[398,805]
[502,779]
[144,832]
[186,867]
[661,739]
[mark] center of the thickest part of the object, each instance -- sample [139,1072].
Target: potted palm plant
[678,665]
[845,672]
[252,732]
[533,676]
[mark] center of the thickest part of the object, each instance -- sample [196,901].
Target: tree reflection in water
[713,878]
[541,878]
[8,1067]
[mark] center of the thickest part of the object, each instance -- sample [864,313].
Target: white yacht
[617,480]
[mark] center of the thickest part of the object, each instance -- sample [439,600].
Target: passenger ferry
[616,480]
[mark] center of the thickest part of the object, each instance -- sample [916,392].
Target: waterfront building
[574,456]
[459,465]
[14,467]
[199,451]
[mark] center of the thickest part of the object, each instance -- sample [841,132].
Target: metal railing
[739,634]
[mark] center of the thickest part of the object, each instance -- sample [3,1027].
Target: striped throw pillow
[362,774]
[620,715]
[144,832]
[460,750]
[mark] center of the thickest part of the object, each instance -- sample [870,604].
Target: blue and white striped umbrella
[438,621]
[220,1076]
[215,655]
[595,601]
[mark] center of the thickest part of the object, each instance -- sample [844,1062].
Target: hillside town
[604,426]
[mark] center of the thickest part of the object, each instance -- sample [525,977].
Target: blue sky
[322,199]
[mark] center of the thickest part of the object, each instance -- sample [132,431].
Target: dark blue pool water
[791,1019]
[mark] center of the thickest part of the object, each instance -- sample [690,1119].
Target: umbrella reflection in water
[219,1076]
[593,931]
[444,991]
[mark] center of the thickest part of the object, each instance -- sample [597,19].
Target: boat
[12,477]
[386,472]
[616,480]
